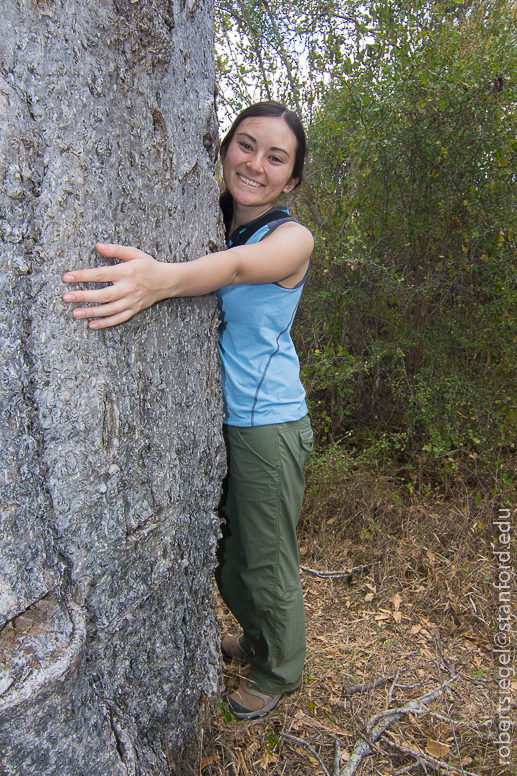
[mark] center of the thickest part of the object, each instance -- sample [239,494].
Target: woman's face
[259,161]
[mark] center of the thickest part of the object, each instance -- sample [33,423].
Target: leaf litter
[397,631]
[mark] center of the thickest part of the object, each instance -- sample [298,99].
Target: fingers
[105,274]
[96,275]
[97,295]
[122,252]
[117,307]
[119,301]
[114,320]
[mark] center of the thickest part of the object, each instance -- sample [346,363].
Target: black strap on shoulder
[242,234]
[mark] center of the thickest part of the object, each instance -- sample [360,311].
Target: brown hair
[258,110]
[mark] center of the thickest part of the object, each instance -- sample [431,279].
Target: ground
[413,619]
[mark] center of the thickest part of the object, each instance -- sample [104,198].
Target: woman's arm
[139,280]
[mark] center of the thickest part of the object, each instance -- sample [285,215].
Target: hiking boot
[232,649]
[248,702]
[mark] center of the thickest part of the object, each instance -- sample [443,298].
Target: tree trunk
[110,441]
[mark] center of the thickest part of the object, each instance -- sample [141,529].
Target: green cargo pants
[258,573]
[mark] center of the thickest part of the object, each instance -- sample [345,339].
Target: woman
[259,280]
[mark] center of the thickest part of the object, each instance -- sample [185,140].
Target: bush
[407,331]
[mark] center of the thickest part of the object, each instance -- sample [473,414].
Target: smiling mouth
[249,182]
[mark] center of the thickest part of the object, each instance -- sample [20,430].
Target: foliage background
[407,329]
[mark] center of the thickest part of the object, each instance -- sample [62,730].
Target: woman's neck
[243,215]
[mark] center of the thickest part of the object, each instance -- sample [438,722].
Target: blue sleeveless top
[259,364]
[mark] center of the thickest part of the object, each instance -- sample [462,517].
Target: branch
[381,722]
[347,573]
[428,760]
[284,57]
[393,685]
[408,768]
[413,707]
[255,35]
[353,688]
[308,198]
[337,758]
[439,646]
[309,747]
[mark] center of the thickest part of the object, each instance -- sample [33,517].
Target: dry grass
[420,615]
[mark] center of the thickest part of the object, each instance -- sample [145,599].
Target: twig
[381,722]
[428,760]
[412,686]
[200,749]
[353,688]
[393,685]
[408,768]
[309,747]
[439,646]
[469,725]
[413,707]
[347,573]
[489,722]
[337,758]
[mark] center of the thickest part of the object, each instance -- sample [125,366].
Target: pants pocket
[307,444]
[254,463]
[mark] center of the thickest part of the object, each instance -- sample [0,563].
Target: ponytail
[226,205]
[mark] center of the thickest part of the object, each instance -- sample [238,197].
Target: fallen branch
[347,573]
[440,651]
[337,758]
[408,768]
[381,722]
[393,685]
[353,688]
[427,759]
[309,747]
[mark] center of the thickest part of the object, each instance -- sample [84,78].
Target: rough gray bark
[110,446]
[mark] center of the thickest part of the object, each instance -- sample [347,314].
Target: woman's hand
[136,284]
[139,281]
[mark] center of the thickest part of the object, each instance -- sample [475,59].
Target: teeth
[249,182]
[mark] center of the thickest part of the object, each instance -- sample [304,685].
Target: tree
[283,50]
[111,444]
